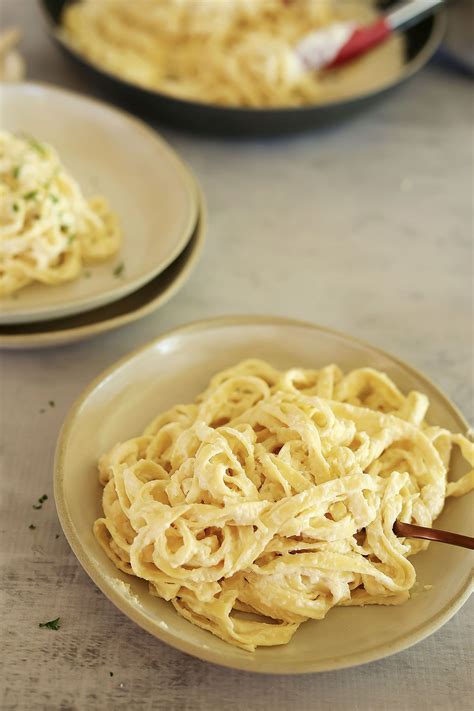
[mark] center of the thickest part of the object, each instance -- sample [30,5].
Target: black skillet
[421,41]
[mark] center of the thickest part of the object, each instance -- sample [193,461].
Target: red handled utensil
[343,41]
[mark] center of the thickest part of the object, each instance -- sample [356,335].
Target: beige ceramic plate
[175,368]
[131,308]
[112,154]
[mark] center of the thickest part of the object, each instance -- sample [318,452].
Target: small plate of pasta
[232,487]
[94,204]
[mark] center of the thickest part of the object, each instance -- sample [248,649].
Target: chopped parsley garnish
[71,238]
[37,146]
[87,274]
[15,207]
[51,625]
[63,228]
[32,526]
[51,403]
[31,195]
[16,172]
[57,536]
[111,673]
[41,501]
[53,198]
[118,271]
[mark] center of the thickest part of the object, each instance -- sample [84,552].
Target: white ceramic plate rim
[16,314]
[146,620]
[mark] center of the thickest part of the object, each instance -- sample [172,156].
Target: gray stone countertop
[365,227]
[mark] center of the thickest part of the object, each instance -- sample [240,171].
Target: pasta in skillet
[225,52]
[48,230]
[275,493]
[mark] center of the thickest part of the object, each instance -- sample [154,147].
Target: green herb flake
[51,403]
[87,275]
[40,503]
[118,271]
[32,526]
[51,625]
[111,673]
[38,147]
[71,238]
[16,172]
[63,229]
[31,195]
[53,198]
[56,536]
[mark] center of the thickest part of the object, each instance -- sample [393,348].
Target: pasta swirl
[225,52]
[275,495]
[48,230]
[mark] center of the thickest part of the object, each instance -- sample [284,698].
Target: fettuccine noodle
[227,52]
[48,230]
[275,494]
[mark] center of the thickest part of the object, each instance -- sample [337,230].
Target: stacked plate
[157,200]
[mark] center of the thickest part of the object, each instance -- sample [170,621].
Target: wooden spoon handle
[409,530]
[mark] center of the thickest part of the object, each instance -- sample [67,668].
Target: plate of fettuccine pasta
[232,487]
[94,204]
